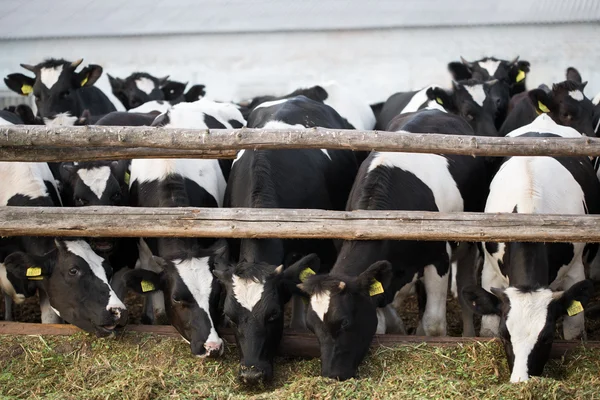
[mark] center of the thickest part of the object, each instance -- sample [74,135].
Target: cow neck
[270,251]
[527,264]
[358,255]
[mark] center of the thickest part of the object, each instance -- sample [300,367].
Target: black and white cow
[473,100]
[347,304]
[513,72]
[122,118]
[190,293]
[259,281]
[532,285]
[71,279]
[348,104]
[141,87]
[24,114]
[61,94]
[565,104]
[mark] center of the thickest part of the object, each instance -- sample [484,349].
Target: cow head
[477,102]
[342,314]
[513,73]
[256,295]
[527,320]
[76,282]
[191,295]
[566,105]
[96,183]
[54,87]
[137,89]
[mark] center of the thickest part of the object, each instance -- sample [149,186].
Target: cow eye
[469,117]
[81,202]
[64,94]
[345,324]
[73,271]
[116,196]
[274,316]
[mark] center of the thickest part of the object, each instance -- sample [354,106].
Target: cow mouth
[106,330]
[102,246]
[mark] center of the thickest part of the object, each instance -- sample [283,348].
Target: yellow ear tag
[542,107]
[375,288]
[84,81]
[439,101]
[26,89]
[575,308]
[33,271]
[306,272]
[127,176]
[520,76]
[147,286]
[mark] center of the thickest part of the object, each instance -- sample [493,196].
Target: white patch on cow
[525,321]
[417,101]
[477,93]
[320,303]
[95,178]
[432,170]
[490,66]
[247,292]
[150,106]
[24,178]
[55,311]
[82,249]
[597,129]
[577,95]
[8,288]
[191,115]
[49,76]
[596,99]
[4,122]
[195,273]
[205,172]
[145,85]
[544,124]
[238,156]
[63,119]
[453,286]
[283,125]
[434,105]
[271,103]
[349,105]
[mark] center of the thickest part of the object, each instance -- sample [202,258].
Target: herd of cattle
[344,292]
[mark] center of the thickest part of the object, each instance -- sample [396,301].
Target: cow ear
[481,301]
[20,83]
[573,300]
[223,270]
[377,278]
[459,71]
[593,312]
[518,72]
[27,267]
[119,170]
[301,269]
[441,97]
[573,75]
[195,93]
[67,171]
[116,84]
[143,281]
[88,76]
[542,101]
[172,90]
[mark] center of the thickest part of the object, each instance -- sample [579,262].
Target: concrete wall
[375,62]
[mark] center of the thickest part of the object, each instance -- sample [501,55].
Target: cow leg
[48,314]
[389,321]
[595,268]
[436,287]
[574,327]
[466,275]
[298,321]
[8,308]
[118,283]
[490,324]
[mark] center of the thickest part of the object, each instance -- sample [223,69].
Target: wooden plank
[13,137]
[294,344]
[291,223]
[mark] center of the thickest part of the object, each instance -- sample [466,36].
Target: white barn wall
[376,63]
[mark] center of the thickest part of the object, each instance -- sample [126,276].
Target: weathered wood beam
[291,223]
[16,136]
[293,344]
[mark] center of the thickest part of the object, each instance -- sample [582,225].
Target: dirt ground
[29,312]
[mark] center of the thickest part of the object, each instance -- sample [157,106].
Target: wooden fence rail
[41,143]
[291,223]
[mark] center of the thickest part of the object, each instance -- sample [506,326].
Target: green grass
[139,366]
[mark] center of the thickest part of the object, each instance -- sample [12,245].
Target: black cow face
[97,183]
[477,102]
[76,282]
[137,89]
[513,73]
[528,320]
[54,87]
[256,295]
[191,296]
[566,105]
[343,315]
